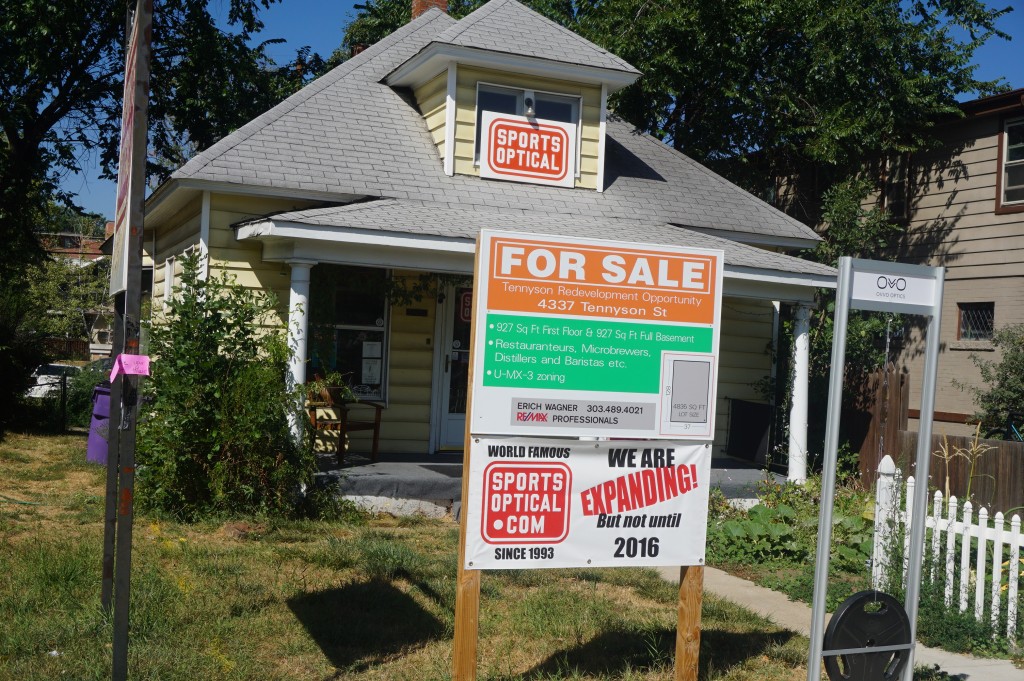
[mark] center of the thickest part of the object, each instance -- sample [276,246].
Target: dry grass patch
[266,599]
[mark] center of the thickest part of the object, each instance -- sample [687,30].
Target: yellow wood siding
[744,358]
[431,98]
[465,119]
[173,238]
[244,259]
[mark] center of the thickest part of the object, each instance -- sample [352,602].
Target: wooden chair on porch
[329,412]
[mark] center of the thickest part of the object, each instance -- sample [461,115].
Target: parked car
[47,379]
[103,366]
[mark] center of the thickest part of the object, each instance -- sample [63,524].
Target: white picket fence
[948,539]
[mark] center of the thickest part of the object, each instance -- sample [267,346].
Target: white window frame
[385,358]
[1007,163]
[168,281]
[521,95]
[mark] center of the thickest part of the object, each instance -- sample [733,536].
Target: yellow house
[380,172]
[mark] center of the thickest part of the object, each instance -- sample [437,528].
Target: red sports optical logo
[526,503]
[532,150]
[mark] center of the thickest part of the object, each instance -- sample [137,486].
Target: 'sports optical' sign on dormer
[525,149]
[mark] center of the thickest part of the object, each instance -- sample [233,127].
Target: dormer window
[546,106]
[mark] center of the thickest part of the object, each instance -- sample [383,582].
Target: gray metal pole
[124,430]
[924,455]
[113,461]
[828,474]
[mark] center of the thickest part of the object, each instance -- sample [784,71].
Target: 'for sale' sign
[595,338]
[527,150]
[565,503]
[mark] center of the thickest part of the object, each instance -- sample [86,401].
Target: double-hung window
[168,282]
[531,103]
[1012,172]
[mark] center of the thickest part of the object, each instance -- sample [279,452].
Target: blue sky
[319,24]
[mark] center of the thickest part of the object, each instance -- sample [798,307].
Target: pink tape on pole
[130,365]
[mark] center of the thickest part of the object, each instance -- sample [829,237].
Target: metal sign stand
[467,599]
[883,287]
[126,286]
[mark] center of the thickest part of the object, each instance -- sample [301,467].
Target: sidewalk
[797,617]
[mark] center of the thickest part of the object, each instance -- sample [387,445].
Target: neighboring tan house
[373,171]
[963,205]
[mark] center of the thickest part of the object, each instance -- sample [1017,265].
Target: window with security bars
[977,321]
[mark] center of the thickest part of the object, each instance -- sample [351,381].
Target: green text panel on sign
[583,354]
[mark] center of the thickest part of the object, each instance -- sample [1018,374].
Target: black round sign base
[867,619]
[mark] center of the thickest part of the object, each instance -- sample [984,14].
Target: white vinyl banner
[537,503]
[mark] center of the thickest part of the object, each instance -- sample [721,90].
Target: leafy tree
[853,227]
[215,436]
[765,87]
[377,19]
[63,294]
[20,348]
[1003,391]
[61,72]
[758,88]
[61,219]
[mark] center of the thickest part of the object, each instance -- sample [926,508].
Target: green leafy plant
[775,542]
[1003,379]
[216,434]
[971,454]
[80,391]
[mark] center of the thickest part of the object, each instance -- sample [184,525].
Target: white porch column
[298,318]
[798,408]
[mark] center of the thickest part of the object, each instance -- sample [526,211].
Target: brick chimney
[108,229]
[421,6]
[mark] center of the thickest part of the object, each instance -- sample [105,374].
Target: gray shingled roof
[509,27]
[349,134]
[464,223]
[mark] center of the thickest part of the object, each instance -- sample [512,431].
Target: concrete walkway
[796,617]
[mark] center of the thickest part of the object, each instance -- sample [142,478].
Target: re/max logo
[531,416]
[887,283]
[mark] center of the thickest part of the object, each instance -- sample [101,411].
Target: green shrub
[215,435]
[80,391]
[1003,391]
[783,529]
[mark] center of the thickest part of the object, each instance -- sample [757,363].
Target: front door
[457,315]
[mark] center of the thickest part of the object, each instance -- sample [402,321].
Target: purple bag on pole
[96,450]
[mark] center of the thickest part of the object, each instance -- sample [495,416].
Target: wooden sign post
[467,585]
[691,592]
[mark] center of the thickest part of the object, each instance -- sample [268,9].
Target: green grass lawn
[371,599]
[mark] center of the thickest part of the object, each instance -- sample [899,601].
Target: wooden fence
[985,472]
[65,349]
[881,413]
[958,548]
